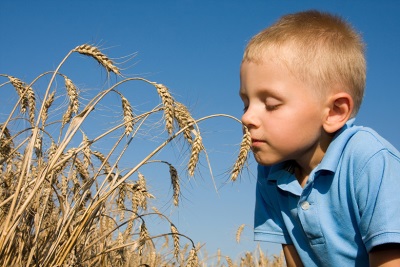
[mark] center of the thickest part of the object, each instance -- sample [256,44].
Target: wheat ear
[143,237]
[175,236]
[175,184]
[184,118]
[27,96]
[242,157]
[6,143]
[197,147]
[239,233]
[193,260]
[168,103]
[121,200]
[140,194]
[128,115]
[19,87]
[229,261]
[72,94]
[31,103]
[102,158]
[94,52]
[47,104]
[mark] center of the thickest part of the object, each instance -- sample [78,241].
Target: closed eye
[272,107]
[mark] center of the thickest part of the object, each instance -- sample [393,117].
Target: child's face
[283,115]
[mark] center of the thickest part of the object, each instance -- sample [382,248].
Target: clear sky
[195,48]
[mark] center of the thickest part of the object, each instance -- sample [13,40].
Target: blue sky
[195,48]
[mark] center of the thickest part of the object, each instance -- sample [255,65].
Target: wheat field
[65,201]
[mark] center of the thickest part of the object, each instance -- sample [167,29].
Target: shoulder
[366,145]
[366,139]
[360,153]
[371,165]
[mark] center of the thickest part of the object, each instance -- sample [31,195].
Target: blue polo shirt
[350,204]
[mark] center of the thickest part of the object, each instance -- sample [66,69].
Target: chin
[266,160]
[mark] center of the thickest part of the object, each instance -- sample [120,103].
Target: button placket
[305,205]
[309,217]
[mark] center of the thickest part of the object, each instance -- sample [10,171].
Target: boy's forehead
[271,51]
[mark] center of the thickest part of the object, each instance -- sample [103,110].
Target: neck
[310,160]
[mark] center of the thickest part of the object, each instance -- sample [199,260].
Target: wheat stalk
[94,52]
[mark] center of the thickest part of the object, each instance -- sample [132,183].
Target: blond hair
[324,51]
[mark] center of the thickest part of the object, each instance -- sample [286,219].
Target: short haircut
[324,51]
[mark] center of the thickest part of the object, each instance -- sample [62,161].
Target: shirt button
[305,205]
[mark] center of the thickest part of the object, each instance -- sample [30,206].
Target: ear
[338,111]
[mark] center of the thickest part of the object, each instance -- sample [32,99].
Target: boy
[327,190]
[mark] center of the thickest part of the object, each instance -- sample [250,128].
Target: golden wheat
[121,200]
[193,259]
[175,184]
[94,52]
[26,95]
[229,261]
[168,103]
[184,118]
[175,237]
[67,115]
[242,157]
[239,233]
[63,204]
[20,88]
[72,93]
[143,238]
[49,101]
[197,147]
[128,115]
[104,161]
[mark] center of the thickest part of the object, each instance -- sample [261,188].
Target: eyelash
[271,107]
[268,107]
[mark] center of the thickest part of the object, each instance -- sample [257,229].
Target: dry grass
[65,203]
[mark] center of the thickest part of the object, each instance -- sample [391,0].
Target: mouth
[256,142]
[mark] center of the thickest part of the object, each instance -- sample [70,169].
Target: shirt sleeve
[268,221]
[378,198]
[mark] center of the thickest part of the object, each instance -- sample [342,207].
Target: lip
[256,142]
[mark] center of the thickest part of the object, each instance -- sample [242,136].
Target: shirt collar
[284,178]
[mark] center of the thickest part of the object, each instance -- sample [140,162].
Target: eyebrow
[242,94]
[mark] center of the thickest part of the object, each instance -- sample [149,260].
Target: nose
[249,118]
